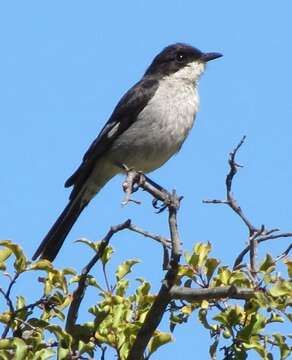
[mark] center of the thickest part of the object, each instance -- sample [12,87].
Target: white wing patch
[113,130]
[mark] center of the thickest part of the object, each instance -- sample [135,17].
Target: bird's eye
[180,57]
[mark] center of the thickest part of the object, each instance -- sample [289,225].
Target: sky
[65,64]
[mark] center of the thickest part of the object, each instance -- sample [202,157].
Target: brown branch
[240,257]
[158,308]
[191,295]
[134,180]
[10,304]
[254,232]
[165,242]
[284,254]
[80,290]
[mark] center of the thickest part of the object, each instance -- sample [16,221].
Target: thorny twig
[256,235]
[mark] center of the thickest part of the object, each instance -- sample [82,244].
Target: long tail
[53,241]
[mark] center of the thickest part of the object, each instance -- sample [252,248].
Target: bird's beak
[210,56]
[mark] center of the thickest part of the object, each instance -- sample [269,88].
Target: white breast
[161,127]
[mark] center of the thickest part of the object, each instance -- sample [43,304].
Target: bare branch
[254,232]
[231,292]
[160,239]
[80,290]
[284,254]
[261,239]
[10,304]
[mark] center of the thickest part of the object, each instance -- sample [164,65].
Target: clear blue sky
[65,64]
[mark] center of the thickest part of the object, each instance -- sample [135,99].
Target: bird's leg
[137,179]
[131,184]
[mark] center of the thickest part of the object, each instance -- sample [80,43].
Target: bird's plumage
[148,126]
[125,113]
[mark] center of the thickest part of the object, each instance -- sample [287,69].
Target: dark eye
[180,57]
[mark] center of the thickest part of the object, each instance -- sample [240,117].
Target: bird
[146,128]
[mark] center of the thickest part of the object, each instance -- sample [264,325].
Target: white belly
[160,129]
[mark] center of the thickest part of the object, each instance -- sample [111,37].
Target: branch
[10,304]
[256,235]
[284,254]
[160,239]
[230,200]
[240,257]
[158,308]
[191,295]
[80,290]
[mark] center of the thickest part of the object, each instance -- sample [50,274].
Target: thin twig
[240,257]
[105,278]
[284,253]
[232,203]
[80,290]
[10,304]
[158,238]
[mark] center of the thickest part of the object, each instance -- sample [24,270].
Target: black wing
[124,114]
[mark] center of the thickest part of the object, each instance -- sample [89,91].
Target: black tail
[53,241]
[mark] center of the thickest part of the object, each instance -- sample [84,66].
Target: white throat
[190,73]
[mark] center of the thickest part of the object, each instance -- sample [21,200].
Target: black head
[175,57]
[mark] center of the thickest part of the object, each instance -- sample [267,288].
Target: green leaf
[41,324]
[62,336]
[187,309]
[69,271]
[282,288]
[158,340]
[93,245]
[85,347]
[231,316]
[121,287]
[63,353]
[107,254]
[283,347]
[4,255]
[20,262]
[125,268]
[199,255]
[45,265]
[258,347]
[211,265]
[223,276]
[20,348]
[5,318]
[239,278]
[202,315]
[289,267]
[256,324]
[268,265]
[20,302]
[44,354]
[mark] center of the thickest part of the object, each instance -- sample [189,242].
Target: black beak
[210,56]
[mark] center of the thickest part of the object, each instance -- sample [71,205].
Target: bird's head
[180,61]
